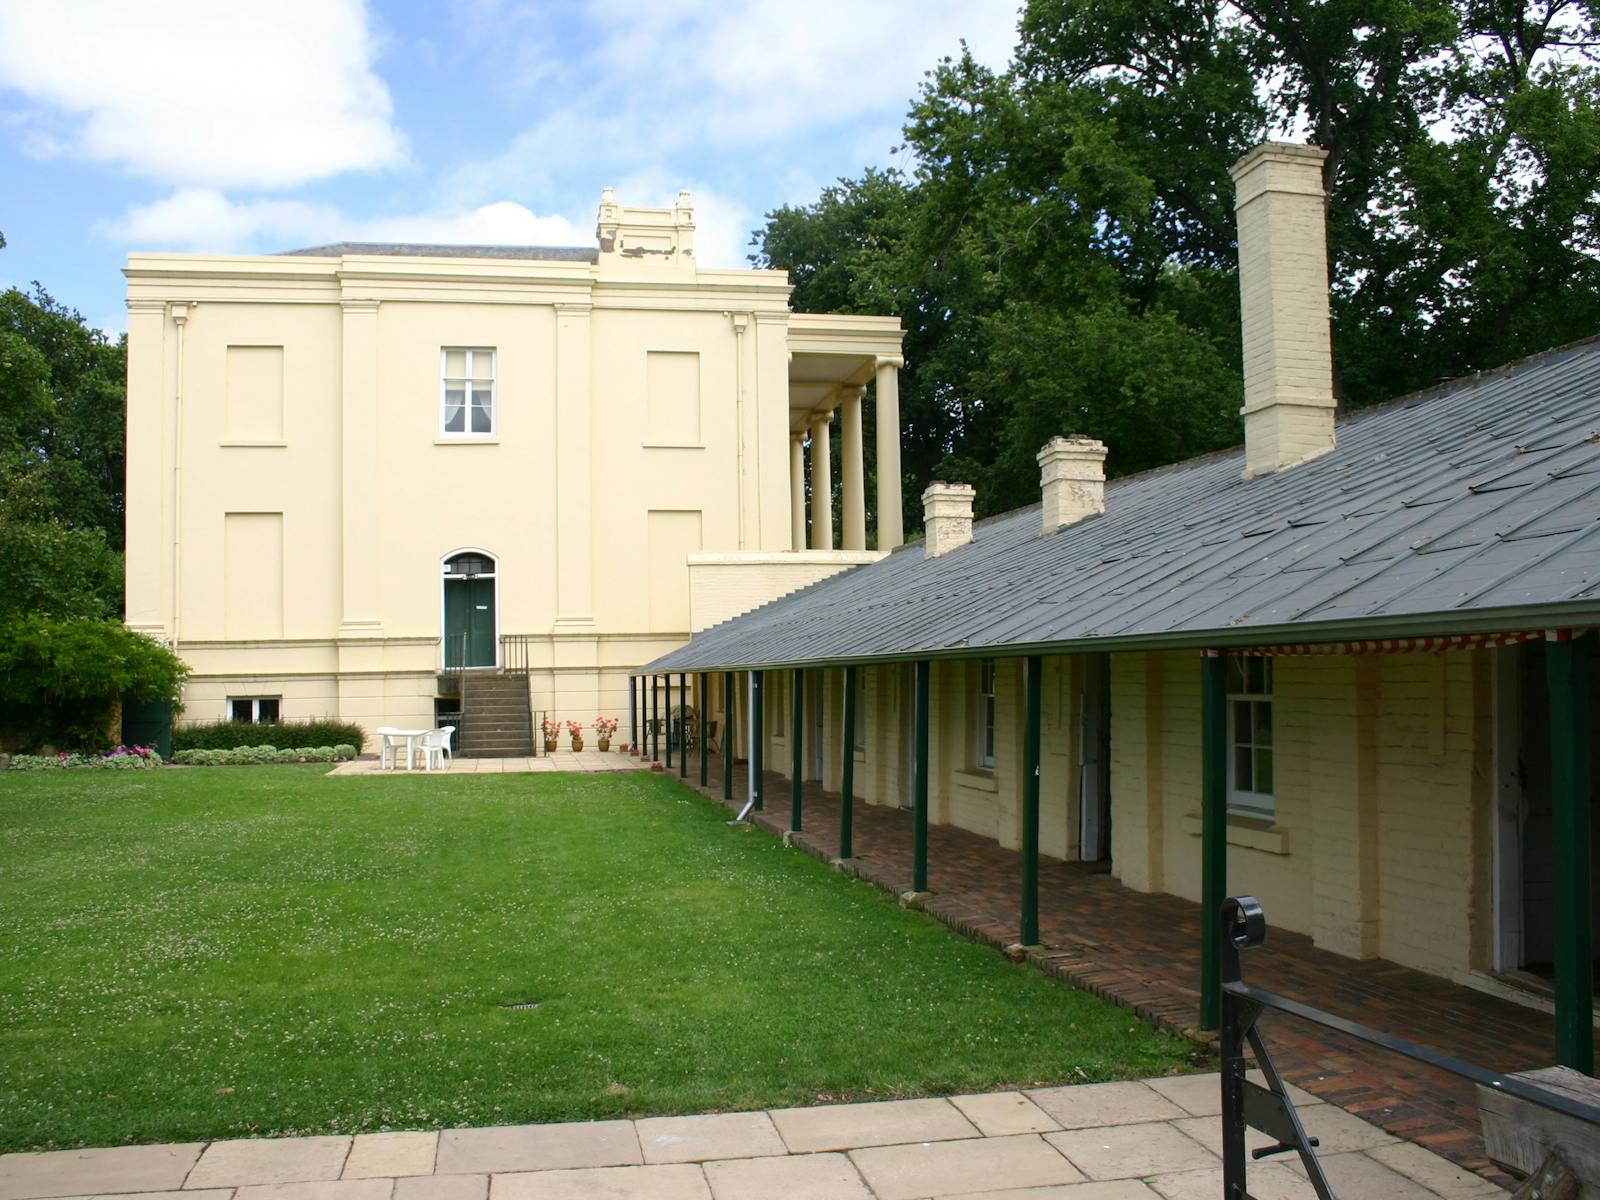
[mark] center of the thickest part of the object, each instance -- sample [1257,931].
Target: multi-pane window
[253,710]
[467,392]
[1250,736]
[983,748]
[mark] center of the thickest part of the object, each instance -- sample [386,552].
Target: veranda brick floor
[1142,950]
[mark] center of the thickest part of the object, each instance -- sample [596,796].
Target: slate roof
[1471,507]
[586,254]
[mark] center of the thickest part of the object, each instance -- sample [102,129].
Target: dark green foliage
[61,679]
[1063,254]
[229,735]
[62,412]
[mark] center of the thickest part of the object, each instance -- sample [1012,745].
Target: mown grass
[218,952]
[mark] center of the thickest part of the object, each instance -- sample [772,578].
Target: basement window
[1250,783]
[254,710]
[983,747]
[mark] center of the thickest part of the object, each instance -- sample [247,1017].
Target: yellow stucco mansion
[359,473]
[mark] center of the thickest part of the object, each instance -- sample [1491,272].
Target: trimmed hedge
[243,756]
[230,735]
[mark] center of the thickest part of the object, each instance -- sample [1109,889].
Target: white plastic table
[411,736]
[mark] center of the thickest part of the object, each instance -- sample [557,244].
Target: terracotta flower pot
[605,744]
[550,745]
[577,744]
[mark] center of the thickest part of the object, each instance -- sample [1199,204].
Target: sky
[250,126]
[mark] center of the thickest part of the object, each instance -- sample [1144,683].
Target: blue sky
[248,126]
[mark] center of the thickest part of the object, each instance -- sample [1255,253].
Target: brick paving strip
[1151,1140]
[1142,950]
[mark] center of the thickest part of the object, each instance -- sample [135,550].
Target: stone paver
[1114,1141]
[390,1155]
[955,1168]
[269,1160]
[1439,1175]
[677,1181]
[537,1147]
[442,1187]
[1104,1104]
[84,1172]
[334,1189]
[999,1113]
[1268,1181]
[718,1135]
[879,1123]
[1110,1189]
[791,1177]
[1131,1151]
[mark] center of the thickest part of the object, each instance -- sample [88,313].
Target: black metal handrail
[515,653]
[454,655]
[1269,1109]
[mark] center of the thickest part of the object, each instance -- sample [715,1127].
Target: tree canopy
[1061,245]
[62,414]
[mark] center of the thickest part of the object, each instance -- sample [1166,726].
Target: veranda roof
[1472,507]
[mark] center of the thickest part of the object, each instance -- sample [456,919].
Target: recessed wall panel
[253,406]
[252,566]
[672,397]
[673,535]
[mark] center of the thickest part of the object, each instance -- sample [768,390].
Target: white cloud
[202,219]
[201,92]
[655,83]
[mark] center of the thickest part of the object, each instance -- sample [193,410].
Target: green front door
[469,622]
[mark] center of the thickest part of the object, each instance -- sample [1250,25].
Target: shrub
[230,735]
[61,679]
[123,758]
[244,756]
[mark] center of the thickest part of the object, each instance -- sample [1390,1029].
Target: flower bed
[123,758]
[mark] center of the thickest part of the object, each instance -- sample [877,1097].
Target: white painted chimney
[946,517]
[1072,478]
[1283,290]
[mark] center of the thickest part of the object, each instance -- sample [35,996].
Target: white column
[574,574]
[797,491]
[852,472]
[891,529]
[821,485]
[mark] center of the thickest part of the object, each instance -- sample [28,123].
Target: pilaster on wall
[766,367]
[145,553]
[574,523]
[361,603]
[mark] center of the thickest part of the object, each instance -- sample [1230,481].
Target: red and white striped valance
[1415,645]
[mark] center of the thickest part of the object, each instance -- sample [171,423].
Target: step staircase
[496,715]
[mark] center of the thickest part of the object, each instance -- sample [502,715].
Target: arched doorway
[471,612]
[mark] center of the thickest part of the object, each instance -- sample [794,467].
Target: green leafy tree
[1063,254]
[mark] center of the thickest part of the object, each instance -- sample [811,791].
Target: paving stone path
[1151,1140]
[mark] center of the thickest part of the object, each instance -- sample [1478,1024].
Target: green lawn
[217,952]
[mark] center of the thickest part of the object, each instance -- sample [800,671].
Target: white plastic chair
[436,745]
[388,747]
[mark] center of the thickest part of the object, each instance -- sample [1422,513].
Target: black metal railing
[1247,1105]
[516,653]
[454,650]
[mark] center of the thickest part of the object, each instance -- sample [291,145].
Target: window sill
[1250,833]
[233,442]
[487,439]
[978,780]
[674,445]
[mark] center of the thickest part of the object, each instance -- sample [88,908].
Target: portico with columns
[837,367]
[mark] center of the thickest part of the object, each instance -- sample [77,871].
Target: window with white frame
[1250,736]
[466,391]
[983,739]
[253,710]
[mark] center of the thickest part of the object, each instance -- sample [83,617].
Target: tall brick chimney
[946,517]
[1283,289]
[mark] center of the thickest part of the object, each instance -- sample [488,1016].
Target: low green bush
[243,756]
[230,735]
[123,758]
